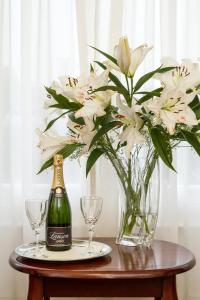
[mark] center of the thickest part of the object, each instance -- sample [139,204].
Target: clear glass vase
[139,192]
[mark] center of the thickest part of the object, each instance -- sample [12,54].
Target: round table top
[160,260]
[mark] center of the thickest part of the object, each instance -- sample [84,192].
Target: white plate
[79,251]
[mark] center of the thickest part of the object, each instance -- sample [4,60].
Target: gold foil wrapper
[58,160]
[58,180]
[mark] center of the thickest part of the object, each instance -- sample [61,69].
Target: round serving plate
[79,251]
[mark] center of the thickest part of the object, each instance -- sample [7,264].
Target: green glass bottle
[58,222]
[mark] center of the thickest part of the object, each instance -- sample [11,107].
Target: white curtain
[43,39]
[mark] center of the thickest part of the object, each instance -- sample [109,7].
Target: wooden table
[126,272]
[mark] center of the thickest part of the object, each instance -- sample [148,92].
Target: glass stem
[37,234]
[91,233]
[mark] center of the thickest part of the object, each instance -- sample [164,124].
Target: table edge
[102,274]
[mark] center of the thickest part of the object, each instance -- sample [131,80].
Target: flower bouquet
[110,113]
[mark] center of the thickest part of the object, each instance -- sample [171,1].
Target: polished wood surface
[163,259]
[127,271]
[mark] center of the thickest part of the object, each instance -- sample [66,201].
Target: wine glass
[36,211]
[91,207]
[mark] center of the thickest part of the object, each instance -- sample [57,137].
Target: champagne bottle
[58,223]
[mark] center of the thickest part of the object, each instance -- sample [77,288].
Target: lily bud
[123,55]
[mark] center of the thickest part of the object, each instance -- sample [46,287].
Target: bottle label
[59,236]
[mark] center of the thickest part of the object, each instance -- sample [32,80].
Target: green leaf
[144,79]
[109,87]
[195,102]
[117,82]
[53,121]
[157,90]
[62,101]
[149,75]
[140,93]
[100,64]
[107,127]
[195,106]
[150,95]
[66,151]
[191,138]
[196,128]
[166,69]
[107,118]
[94,155]
[162,146]
[106,55]
[91,68]
[72,117]
[101,121]
[61,106]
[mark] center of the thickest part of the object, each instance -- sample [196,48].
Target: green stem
[112,150]
[129,188]
[117,171]
[115,161]
[129,92]
[132,193]
[146,225]
[127,83]
[132,90]
[129,172]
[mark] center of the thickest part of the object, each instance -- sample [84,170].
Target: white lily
[129,60]
[60,86]
[83,133]
[50,143]
[185,76]
[172,108]
[64,85]
[81,90]
[131,134]
[90,108]
[94,104]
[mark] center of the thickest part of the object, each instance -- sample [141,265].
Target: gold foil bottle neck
[58,180]
[58,160]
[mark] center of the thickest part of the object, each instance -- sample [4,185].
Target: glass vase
[139,192]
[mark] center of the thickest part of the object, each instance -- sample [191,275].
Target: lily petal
[132,136]
[137,57]
[90,109]
[50,143]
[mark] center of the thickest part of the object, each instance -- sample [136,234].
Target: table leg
[46,298]
[35,290]
[169,288]
[157,298]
